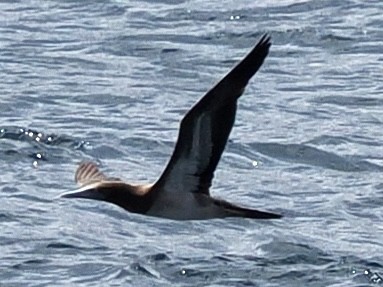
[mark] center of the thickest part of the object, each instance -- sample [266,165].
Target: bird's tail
[237,211]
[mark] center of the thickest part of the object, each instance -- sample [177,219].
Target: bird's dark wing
[206,127]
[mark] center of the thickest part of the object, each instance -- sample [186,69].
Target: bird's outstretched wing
[206,127]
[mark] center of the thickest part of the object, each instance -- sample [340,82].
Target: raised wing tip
[266,39]
[263,44]
[88,172]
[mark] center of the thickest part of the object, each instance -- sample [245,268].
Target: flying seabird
[182,191]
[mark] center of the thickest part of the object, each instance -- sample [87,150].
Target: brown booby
[182,191]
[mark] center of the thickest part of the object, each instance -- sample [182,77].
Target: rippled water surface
[109,81]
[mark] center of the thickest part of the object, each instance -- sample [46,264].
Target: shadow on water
[305,154]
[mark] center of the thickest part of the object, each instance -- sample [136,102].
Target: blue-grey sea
[109,81]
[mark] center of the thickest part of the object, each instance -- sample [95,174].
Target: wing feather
[88,172]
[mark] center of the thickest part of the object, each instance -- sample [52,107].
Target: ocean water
[109,81]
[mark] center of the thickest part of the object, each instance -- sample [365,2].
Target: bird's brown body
[182,191]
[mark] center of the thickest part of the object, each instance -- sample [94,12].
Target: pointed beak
[84,192]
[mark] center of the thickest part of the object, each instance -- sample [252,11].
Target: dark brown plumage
[182,191]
